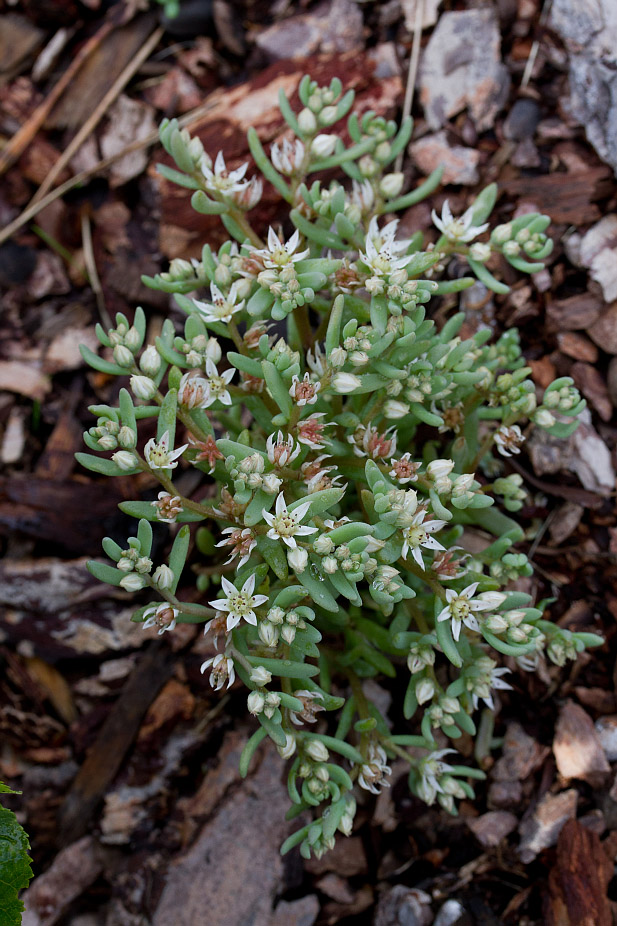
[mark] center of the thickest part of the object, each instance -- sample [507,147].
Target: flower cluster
[350,445]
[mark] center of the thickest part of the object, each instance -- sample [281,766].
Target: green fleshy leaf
[105,573]
[179,552]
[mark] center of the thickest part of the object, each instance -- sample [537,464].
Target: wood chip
[579,880]
[71,873]
[593,386]
[129,120]
[577,748]
[24,379]
[492,827]
[573,313]
[229,853]
[577,346]
[541,828]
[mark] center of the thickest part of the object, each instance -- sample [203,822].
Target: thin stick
[85,175]
[93,275]
[20,141]
[412,73]
[93,120]
[533,53]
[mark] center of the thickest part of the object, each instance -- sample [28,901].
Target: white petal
[249,585]
[228,587]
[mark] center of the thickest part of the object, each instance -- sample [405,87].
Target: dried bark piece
[492,827]
[606,728]
[579,880]
[23,378]
[238,848]
[113,741]
[129,121]
[522,755]
[404,905]
[461,67]
[567,518]
[301,912]
[71,873]
[541,828]
[567,197]
[589,30]
[604,330]
[331,28]
[591,383]
[577,748]
[460,163]
[577,346]
[573,313]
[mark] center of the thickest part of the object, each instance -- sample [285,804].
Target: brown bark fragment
[578,881]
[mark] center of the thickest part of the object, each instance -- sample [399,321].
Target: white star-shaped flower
[221,180]
[239,604]
[462,605]
[382,251]
[279,253]
[221,308]
[417,535]
[217,383]
[285,525]
[159,456]
[461,229]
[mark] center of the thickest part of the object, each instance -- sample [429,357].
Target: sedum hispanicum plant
[351,444]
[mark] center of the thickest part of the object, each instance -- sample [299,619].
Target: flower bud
[122,356]
[143,387]
[163,577]
[213,350]
[107,442]
[132,582]
[288,633]
[287,751]
[132,339]
[323,545]
[317,751]
[276,615]
[150,361]
[329,565]
[297,559]
[256,702]
[328,115]
[391,185]
[393,409]
[344,383]
[268,634]
[125,460]
[307,121]
[261,676]
[271,483]
[480,252]
[338,357]
[439,468]
[323,146]
[143,565]
[543,418]
[127,438]
[425,689]
[496,623]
